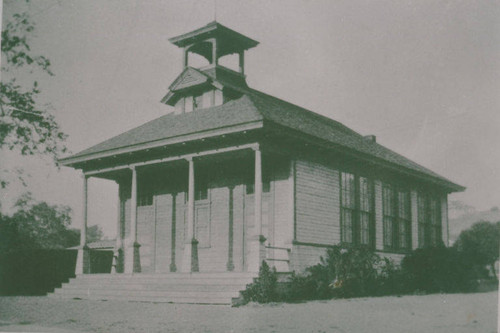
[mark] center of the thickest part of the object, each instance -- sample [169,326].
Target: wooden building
[234,176]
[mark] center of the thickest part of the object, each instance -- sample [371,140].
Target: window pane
[388,212]
[346,226]
[348,187]
[388,231]
[365,195]
[364,225]
[404,219]
[402,235]
[348,206]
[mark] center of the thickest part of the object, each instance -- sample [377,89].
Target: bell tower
[212,85]
[212,42]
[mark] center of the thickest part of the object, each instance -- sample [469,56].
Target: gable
[188,78]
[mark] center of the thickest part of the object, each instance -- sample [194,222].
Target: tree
[37,225]
[481,242]
[25,125]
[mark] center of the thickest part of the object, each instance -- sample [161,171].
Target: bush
[264,289]
[439,269]
[347,272]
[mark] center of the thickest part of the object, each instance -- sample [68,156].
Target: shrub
[264,289]
[315,284]
[344,272]
[439,269]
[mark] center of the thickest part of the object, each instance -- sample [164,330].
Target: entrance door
[169,231]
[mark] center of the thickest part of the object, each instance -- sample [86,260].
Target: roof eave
[72,160]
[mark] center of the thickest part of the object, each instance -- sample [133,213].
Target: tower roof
[228,40]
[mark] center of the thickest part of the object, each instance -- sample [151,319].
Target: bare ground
[432,313]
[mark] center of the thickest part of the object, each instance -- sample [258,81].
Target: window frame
[353,235]
[400,204]
[430,222]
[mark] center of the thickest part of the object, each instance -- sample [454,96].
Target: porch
[210,211]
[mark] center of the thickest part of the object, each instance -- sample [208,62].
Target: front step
[201,288]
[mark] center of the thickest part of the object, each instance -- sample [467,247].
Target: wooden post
[83,257]
[185,58]
[132,258]
[257,249]
[117,255]
[215,60]
[258,192]
[190,260]
[242,62]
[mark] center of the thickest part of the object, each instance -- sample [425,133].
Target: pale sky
[423,76]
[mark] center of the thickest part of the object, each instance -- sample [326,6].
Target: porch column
[257,249]
[83,257]
[117,266]
[132,258]
[190,253]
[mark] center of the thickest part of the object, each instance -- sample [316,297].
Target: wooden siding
[145,237]
[282,196]
[303,256]
[317,210]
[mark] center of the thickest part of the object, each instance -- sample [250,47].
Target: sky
[423,76]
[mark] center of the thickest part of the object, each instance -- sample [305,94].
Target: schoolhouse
[234,177]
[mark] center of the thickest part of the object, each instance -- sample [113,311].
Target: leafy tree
[481,242]
[26,126]
[37,225]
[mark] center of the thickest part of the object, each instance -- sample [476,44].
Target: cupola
[212,85]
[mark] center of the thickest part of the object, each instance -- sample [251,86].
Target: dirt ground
[432,313]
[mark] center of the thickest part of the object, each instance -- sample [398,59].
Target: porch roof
[257,108]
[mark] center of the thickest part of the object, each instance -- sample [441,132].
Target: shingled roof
[252,107]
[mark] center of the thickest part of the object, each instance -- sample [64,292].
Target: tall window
[397,218]
[423,227]
[348,206]
[429,221]
[388,212]
[357,209]
[365,210]
[404,220]
[435,223]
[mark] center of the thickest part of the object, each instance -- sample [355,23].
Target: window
[435,221]
[404,220]
[348,206]
[356,209]
[365,210]
[396,218]
[429,221]
[388,212]
[145,199]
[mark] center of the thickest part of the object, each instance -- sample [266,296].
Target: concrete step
[220,275]
[155,287]
[202,288]
[165,281]
[149,293]
[149,299]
